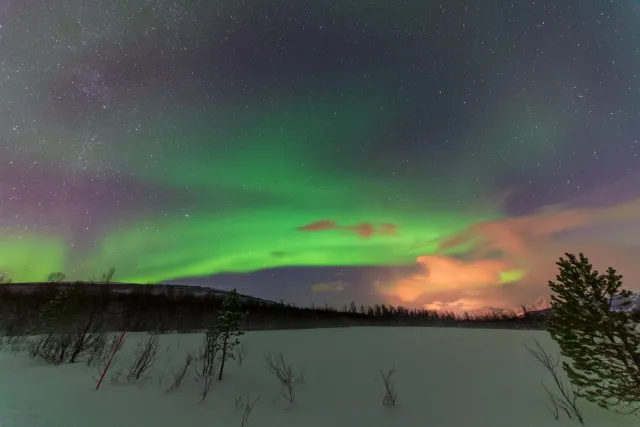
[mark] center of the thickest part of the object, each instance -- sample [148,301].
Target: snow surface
[445,378]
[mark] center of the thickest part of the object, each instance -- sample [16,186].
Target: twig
[241,352]
[569,393]
[390,395]
[246,405]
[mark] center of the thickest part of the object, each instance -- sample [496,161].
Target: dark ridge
[134,307]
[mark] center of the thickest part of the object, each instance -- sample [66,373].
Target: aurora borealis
[438,154]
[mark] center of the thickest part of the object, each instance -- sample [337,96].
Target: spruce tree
[59,312]
[603,345]
[228,328]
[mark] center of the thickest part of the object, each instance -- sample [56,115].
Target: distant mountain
[127,288]
[616,304]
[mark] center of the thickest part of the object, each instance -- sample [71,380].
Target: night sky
[434,154]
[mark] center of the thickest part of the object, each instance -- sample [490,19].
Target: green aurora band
[238,179]
[270,168]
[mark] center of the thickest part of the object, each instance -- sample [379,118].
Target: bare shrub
[144,358]
[32,346]
[238,402]
[390,395]
[5,279]
[56,277]
[300,378]
[553,404]
[181,374]
[105,349]
[245,404]
[160,379]
[108,357]
[208,362]
[116,374]
[569,393]
[68,333]
[50,348]
[108,276]
[85,343]
[284,373]
[13,324]
[98,350]
[241,352]
[57,348]
[13,344]
[6,340]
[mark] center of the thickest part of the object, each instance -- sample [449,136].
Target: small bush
[182,374]
[97,353]
[284,373]
[51,348]
[245,404]
[208,362]
[106,347]
[85,343]
[144,358]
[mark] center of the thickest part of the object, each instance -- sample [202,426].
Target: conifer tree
[61,309]
[603,345]
[228,328]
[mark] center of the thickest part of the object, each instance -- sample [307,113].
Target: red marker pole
[115,350]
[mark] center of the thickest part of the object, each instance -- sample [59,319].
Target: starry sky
[426,153]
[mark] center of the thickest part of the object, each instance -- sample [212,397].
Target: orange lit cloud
[389,229]
[319,226]
[609,236]
[363,229]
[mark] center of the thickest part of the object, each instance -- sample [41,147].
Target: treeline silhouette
[115,307]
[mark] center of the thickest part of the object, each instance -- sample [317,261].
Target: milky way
[416,152]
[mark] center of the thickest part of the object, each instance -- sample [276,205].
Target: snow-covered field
[444,378]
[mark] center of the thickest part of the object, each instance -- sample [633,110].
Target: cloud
[328,287]
[319,226]
[508,262]
[363,229]
[388,229]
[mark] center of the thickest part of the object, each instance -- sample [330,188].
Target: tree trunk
[224,356]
